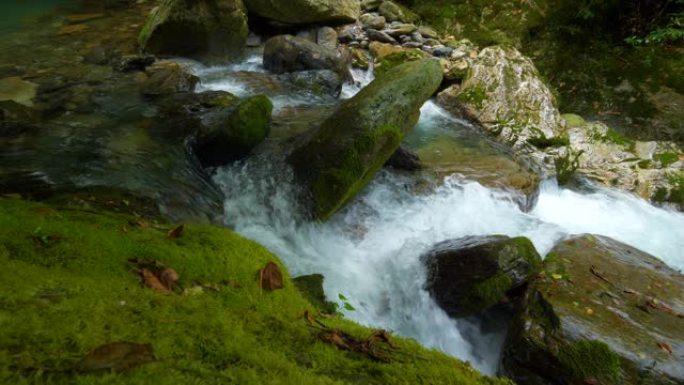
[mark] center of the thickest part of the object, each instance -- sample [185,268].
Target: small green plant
[566,165]
[345,303]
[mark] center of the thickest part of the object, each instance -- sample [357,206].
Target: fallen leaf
[270,277]
[117,357]
[168,278]
[175,233]
[664,346]
[556,276]
[152,281]
[589,311]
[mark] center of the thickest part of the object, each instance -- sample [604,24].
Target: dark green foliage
[566,165]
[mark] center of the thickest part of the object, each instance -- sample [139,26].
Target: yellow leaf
[556,276]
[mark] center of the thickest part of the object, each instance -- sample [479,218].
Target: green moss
[573,120]
[355,170]
[488,292]
[666,158]
[311,287]
[645,164]
[62,298]
[590,359]
[566,165]
[251,120]
[474,95]
[526,248]
[394,59]
[543,142]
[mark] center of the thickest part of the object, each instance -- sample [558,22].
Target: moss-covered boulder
[233,131]
[344,154]
[287,53]
[602,312]
[67,289]
[207,30]
[306,11]
[468,275]
[311,286]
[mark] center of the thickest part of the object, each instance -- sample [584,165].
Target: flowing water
[370,252]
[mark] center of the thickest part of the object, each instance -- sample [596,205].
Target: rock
[404,159]
[504,93]
[392,12]
[344,154]
[442,51]
[428,32]
[327,37]
[306,11]
[468,275]
[369,20]
[207,30]
[308,34]
[168,78]
[380,36]
[602,313]
[234,132]
[401,29]
[350,33]
[417,37]
[287,53]
[312,288]
[388,56]
[17,90]
[318,82]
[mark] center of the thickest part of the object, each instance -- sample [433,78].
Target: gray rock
[318,82]
[253,40]
[380,36]
[370,5]
[287,53]
[428,32]
[417,37]
[167,78]
[404,159]
[401,29]
[442,51]
[391,11]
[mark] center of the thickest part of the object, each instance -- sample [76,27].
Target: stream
[370,252]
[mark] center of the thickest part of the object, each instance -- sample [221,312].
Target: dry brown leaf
[270,277]
[168,278]
[117,357]
[175,233]
[152,281]
[664,346]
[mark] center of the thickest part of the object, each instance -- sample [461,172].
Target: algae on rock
[344,154]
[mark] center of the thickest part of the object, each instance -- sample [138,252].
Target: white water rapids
[370,252]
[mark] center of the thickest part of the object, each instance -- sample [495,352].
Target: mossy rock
[469,275]
[287,53]
[388,56]
[208,30]
[306,11]
[66,288]
[236,132]
[344,154]
[602,312]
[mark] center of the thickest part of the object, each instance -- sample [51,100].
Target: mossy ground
[66,288]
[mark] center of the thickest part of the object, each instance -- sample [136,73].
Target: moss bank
[66,288]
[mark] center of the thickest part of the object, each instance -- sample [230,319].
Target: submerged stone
[468,275]
[207,30]
[602,311]
[344,154]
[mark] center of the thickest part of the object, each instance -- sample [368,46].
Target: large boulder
[603,313]
[207,30]
[287,53]
[306,11]
[468,275]
[504,92]
[344,154]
